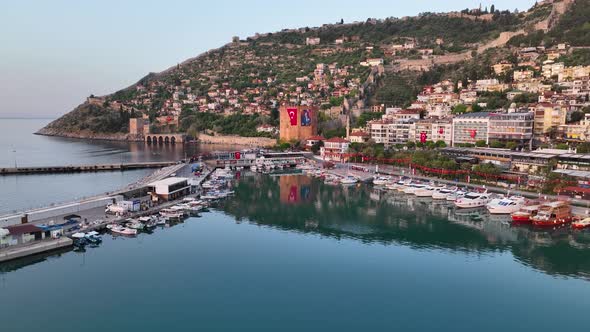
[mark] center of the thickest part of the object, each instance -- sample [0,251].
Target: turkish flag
[237,155]
[423,137]
[473,133]
[292,116]
[293,194]
[441,130]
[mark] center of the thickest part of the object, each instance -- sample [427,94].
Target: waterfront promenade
[580,207]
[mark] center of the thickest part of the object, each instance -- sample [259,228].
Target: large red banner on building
[292,116]
[423,137]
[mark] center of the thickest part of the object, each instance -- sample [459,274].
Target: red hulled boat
[553,214]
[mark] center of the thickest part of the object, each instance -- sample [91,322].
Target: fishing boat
[505,205]
[581,223]
[552,214]
[134,224]
[473,200]
[525,214]
[169,213]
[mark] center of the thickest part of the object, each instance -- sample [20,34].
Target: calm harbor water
[293,254]
[19,146]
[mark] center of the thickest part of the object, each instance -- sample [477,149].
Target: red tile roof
[337,140]
[23,229]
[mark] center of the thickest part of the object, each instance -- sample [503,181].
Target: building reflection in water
[388,217]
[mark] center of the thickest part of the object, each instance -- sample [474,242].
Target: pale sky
[53,54]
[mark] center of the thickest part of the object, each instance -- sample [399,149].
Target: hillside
[237,87]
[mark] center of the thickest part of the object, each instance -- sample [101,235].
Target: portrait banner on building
[292,116]
[306,118]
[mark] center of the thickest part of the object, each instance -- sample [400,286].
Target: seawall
[237,140]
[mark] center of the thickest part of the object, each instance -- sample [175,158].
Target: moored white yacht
[426,191]
[473,200]
[381,180]
[412,188]
[348,180]
[443,193]
[455,195]
[505,205]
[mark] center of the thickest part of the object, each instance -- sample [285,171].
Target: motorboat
[210,196]
[581,223]
[553,214]
[443,193]
[412,188]
[93,237]
[473,200]
[123,230]
[455,195]
[395,185]
[505,205]
[426,191]
[402,186]
[525,214]
[135,224]
[349,180]
[381,180]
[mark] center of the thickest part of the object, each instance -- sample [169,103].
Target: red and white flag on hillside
[292,116]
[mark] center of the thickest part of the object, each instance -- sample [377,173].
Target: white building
[170,188]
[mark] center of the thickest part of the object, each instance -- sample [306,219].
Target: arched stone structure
[164,138]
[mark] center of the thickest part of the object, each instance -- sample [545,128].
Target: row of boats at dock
[521,209]
[213,190]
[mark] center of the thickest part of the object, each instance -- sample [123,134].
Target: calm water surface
[292,254]
[19,146]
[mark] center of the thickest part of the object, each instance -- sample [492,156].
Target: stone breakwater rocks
[237,140]
[88,135]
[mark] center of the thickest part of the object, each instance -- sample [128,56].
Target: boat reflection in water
[303,204]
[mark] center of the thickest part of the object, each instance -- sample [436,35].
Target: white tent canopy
[4,232]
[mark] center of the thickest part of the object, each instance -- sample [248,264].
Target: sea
[291,253]
[20,147]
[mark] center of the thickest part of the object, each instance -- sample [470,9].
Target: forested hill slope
[237,87]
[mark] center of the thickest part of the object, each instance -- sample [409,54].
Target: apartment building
[471,127]
[515,127]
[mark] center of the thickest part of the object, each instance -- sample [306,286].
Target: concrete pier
[82,168]
[33,248]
